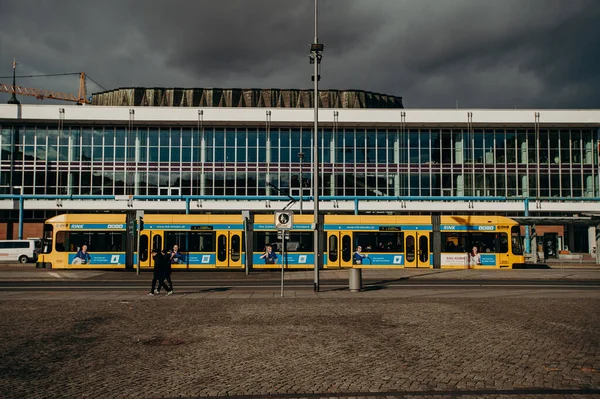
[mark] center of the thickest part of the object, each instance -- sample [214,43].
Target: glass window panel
[86,136]
[153,137]
[230,138]
[109,136]
[175,152]
[252,137]
[120,134]
[176,137]
[186,154]
[252,155]
[219,154]
[186,137]
[295,138]
[119,153]
[306,139]
[164,137]
[164,154]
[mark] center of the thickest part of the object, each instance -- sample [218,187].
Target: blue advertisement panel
[446,227]
[292,259]
[365,227]
[103,259]
[488,260]
[97,226]
[262,226]
[201,259]
[193,226]
[383,260]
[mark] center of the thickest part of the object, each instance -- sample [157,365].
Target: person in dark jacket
[168,261]
[159,273]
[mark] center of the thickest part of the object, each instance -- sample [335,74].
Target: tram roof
[557,220]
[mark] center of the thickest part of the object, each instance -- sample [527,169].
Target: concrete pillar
[524,154]
[534,249]
[460,185]
[589,151]
[397,161]
[355,280]
[458,149]
[527,231]
[136,176]
[268,161]
[592,239]
[598,245]
[202,162]
[332,180]
[589,186]
[525,185]
[571,233]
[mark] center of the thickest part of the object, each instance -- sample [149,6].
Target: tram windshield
[46,243]
[515,234]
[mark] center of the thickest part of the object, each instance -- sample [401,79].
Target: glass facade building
[240,158]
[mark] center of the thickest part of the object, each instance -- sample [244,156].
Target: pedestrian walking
[168,262]
[159,273]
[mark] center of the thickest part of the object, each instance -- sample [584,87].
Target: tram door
[339,249]
[416,246]
[149,240]
[229,248]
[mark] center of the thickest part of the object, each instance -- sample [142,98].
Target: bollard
[355,280]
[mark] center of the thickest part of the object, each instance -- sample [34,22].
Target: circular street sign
[284,218]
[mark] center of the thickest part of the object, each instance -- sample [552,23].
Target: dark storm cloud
[481,53]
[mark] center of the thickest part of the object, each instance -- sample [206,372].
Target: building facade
[371,160]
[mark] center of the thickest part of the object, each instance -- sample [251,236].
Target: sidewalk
[570,272]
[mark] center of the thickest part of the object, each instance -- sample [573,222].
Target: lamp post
[315,58]
[301,157]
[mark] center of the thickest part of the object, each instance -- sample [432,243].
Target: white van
[22,251]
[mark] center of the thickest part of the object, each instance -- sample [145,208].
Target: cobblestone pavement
[366,347]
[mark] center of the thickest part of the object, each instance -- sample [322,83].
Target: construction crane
[40,94]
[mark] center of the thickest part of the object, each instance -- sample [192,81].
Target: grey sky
[483,53]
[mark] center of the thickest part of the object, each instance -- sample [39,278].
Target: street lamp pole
[301,157]
[315,58]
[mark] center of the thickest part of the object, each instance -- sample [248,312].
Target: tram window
[423,249]
[175,238]
[410,248]
[47,239]
[300,241]
[264,238]
[61,243]
[380,242]
[157,242]
[143,248]
[201,241]
[97,241]
[515,233]
[235,247]
[333,248]
[346,249]
[485,242]
[222,248]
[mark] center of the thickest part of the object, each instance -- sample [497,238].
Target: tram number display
[390,228]
[202,228]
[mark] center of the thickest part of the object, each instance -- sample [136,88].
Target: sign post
[139,220]
[284,222]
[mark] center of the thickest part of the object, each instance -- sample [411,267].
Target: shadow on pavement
[532,266]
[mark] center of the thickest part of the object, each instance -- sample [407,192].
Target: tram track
[125,285]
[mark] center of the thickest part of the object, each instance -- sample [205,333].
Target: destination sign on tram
[390,228]
[201,228]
